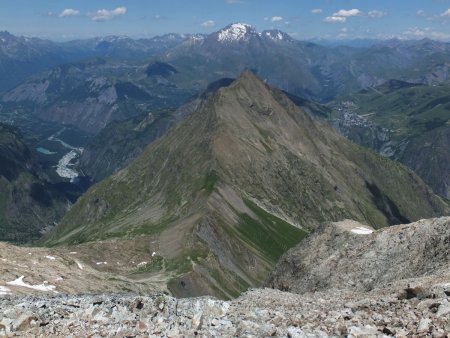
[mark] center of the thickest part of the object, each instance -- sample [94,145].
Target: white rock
[197,321]
[424,325]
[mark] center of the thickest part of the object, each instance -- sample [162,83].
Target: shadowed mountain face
[28,204]
[237,183]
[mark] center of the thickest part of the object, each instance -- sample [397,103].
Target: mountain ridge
[350,255]
[237,183]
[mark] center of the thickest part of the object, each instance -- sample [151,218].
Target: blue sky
[303,19]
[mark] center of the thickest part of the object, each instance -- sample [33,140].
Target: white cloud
[420,12]
[276,18]
[343,13]
[316,10]
[233,2]
[376,14]
[69,12]
[105,14]
[446,14]
[208,23]
[335,19]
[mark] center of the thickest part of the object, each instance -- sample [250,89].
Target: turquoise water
[45,151]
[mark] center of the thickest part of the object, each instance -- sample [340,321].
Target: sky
[303,19]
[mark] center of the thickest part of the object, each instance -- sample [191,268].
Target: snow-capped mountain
[236,32]
[242,32]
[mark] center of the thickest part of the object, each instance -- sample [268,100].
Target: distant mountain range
[243,178]
[21,57]
[127,77]
[301,68]
[165,71]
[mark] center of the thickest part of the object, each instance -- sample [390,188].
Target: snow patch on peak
[235,32]
[362,231]
[197,37]
[276,35]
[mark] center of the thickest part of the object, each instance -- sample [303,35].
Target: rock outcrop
[349,255]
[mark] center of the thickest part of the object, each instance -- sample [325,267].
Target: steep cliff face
[29,205]
[236,184]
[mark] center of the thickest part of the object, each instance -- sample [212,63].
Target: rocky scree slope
[349,255]
[256,313]
[237,183]
[29,205]
[417,306]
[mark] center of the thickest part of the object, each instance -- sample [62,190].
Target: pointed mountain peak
[250,81]
[236,32]
[248,76]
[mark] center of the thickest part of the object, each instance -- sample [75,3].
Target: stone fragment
[424,325]
[197,321]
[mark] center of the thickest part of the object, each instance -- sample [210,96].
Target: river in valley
[65,166]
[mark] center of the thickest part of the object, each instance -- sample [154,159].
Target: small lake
[45,151]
